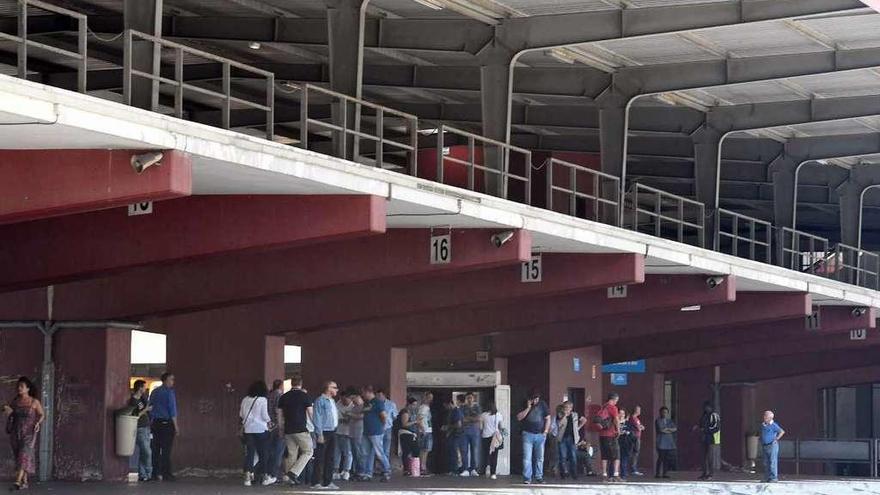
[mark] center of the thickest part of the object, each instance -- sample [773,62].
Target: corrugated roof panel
[850,83]
[762,39]
[664,49]
[545,7]
[749,93]
[862,31]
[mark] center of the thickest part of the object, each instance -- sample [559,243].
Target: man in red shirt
[635,424]
[608,445]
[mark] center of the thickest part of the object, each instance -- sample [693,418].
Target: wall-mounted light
[255,45]
[689,309]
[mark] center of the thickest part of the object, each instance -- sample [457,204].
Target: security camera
[713,282]
[501,238]
[142,162]
[857,312]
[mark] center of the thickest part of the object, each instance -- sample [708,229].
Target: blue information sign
[625,367]
[576,365]
[619,379]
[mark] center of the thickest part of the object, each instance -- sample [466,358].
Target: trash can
[751,452]
[126,433]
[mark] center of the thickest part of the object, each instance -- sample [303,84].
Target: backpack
[601,420]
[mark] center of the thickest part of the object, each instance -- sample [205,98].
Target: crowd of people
[351,435]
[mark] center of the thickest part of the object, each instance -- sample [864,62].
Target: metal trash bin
[126,433]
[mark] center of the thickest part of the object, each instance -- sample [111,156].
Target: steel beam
[144,16]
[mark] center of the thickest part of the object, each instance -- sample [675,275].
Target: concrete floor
[446,485]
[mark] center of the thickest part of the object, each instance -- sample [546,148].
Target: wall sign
[143,208]
[617,292]
[532,270]
[625,367]
[619,379]
[860,334]
[441,249]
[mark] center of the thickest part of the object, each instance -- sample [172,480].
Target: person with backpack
[608,425]
[710,428]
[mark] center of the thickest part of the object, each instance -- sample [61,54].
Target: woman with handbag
[254,414]
[493,439]
[24,415]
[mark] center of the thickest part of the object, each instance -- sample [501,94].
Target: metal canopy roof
[424,57]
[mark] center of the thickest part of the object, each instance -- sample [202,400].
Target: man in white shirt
[426,431]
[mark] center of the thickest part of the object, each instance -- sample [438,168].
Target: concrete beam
[819,359]
[359,276]
[38,184]
[88,245]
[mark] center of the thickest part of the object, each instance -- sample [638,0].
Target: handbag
[241,426]
[10,423]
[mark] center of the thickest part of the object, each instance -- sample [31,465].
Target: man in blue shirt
[163,417]
[375,416]
[771,432]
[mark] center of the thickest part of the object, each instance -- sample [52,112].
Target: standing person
[408,436]
[666,429]
[254,414]
[426,431]
[566,428]
[453,428]
[326,420]
[636,428]
[710,429]
[771,432]
[391,412]
[140,407]
[294,411]
[356,428]
[625,441]
[535,422]
[375,419]
[276,435]
[470,451]
[343,456]
[609,447]
[24,416]
[163,416]
[493,440]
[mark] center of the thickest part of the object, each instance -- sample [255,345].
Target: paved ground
[445,486]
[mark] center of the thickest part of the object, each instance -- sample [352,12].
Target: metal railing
[855,266]
[586,186]
[831,450]
[181,86]
[665,211]
[756,242]
[349,131]
[23,42]
[496,180]
[804,252]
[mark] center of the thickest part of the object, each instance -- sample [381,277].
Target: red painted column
[91,244]
[46,183]
[21,353]
[740,420]
[92,369]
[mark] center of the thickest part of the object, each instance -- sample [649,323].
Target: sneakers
[345,476]
[527,482]
[474,473]
[637,473]
[494,477]
[386,478]
[269,480]
[331,486]
[336,476]
[464,474]
[248,479]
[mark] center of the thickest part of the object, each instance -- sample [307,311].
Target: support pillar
[500,364]
[613,124]
[92,370]
[707,170]
[20,355]
[783,171]
[144,16]
[739,421]
[849,198]
[494,92]
[345,39]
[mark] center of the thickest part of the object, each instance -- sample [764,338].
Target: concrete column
[21,352]
[575,368]
[494,91]
[92,370]
[783,171]
[501,364]
[214,364]
[707,170]
[144,16]
[613,126]
[849,198]
[346,47]
[740,420]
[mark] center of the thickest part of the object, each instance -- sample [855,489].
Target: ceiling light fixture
[689,309]
[431,4]
[255,45]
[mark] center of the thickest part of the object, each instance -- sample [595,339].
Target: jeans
[358,458]
[664,461]
[386,444]
[256,445]
[771,461]
[324,453]
[568,457]
[343,454]
[163,441]
[470,449]
[490,460]
[275,454]
[374,448]
[145,459]
[453,446]
[634,455]
[533,455]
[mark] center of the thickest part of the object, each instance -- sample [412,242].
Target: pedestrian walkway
[447,485]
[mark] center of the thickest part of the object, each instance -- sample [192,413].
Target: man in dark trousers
[163,417]
[710,428]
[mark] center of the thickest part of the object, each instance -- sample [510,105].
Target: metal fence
[496,180]
[743,236]
[587,193]
[348,124]
[666,215]
[855,266]
[23,42]
[181,87]
[831,450]
[804,252]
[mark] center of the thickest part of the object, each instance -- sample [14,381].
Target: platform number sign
[441,249]
[532,270]
[860,334]
[143,208]
[814,322]
[617,292]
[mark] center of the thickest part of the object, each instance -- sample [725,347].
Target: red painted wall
[21,352]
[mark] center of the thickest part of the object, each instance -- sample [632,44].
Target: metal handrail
[658,216]
[757,230]
[792,449]
[471,164]
[345,128]
[855,266]
[597,180]
[811,259]
[81,55]
[129,72]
